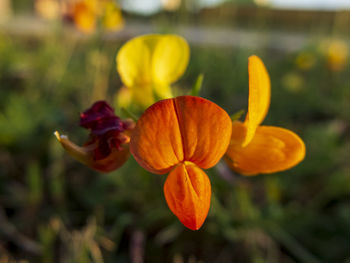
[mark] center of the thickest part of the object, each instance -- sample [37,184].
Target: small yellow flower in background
[148,64]
[255,148]
[86,14]
[171,5]
[112,17]
[293,82]
[305,60]
[337,55]
[48,9]
[5,10]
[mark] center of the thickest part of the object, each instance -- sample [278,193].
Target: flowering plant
[182,136]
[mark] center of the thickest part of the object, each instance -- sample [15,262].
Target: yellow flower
[148,65]
[48,9]
[255,148]
[112,18]
[337,55]
[86,14]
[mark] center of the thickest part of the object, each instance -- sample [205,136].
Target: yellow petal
[153,61]
[123,98]
[272,149]
[169,60]
[259,96]
[142,96]
[134,61]
[187,191]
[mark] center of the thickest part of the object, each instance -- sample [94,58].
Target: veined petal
[272,149]
[187,192]
[156,140]
[185,128]
[169,61]
[259,96]
[205,129]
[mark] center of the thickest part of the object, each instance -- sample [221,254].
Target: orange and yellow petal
[187,192]
[272,149]
[259,96]
[185,128]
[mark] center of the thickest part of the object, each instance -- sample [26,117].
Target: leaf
[237,115]
[197,86]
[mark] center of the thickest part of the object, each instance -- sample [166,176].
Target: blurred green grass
[53,209]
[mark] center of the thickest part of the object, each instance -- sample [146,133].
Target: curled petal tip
[58,136]
[90,154]
[79,153]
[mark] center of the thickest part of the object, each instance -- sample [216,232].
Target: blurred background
[53,209]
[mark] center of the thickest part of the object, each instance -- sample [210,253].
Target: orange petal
[156,140]
[259,96]
[271,150]
[185,128]
[205,129]
[187,191]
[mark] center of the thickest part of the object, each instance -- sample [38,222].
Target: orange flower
[182,136]
[84,15]
[107,147]
[261,149]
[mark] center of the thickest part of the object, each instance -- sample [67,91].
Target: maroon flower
[107,146]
